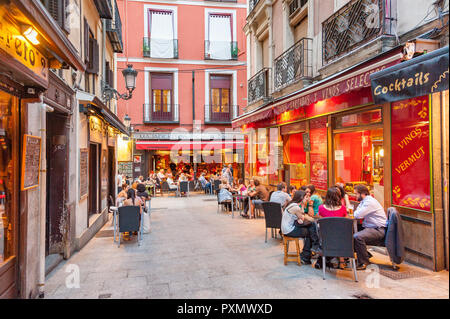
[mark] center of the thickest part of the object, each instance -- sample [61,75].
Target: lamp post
[129,75]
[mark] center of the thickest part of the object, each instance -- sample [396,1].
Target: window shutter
[106,73]
[95,58]
[111,78]
[65,15]
[86,41]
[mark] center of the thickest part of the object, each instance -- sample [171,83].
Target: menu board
[31,161]
[83,172]
[126,168]
[318,153]
[411,154]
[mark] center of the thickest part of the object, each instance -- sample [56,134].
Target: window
[162,95]
[358,158]
[219,43]
[58,10]
[161,34]
[220,97]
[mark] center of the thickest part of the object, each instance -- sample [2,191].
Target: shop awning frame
[93,103]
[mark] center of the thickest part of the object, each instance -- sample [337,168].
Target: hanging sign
[420,76]
[31,161]
[411,154]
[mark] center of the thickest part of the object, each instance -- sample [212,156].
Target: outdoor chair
[216,186]
[184,188]
[130,220]
[272,215]
[191,186]
[221,204]
[165,188]
[336,236]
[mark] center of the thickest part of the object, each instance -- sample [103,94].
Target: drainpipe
[43,193]
[193,99]
[103,55]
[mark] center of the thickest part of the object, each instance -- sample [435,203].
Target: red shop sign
[411,154]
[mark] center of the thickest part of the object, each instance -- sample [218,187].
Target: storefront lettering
[400,84]
[412,135]
[410,161]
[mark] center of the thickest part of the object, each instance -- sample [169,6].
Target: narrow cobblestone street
[193,252]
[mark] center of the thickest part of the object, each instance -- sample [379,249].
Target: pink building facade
[192,78]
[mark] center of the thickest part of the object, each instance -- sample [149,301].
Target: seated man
[171,183]
[260,194]
[373,227]
[203,181]
[280,195]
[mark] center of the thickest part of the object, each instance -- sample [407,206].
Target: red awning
[188,145]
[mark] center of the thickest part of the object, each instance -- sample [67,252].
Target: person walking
[373,227]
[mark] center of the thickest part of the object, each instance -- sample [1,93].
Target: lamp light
[30,33]
[129,75]
[127,120]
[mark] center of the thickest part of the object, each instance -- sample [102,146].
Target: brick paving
[194,252]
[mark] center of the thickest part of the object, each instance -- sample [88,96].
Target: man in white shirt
[374,225]
[161,175]
[280,195]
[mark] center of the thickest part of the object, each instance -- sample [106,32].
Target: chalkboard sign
[306,142]
[31,161]
[83,172]
[126,168]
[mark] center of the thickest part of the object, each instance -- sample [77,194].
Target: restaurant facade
[335,131]
[31,43]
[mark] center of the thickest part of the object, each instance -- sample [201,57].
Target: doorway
[94,189]
[56,153]
[112,180]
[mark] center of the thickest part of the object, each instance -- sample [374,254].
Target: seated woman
[331,207]
[345,200]
[225,193]
[132,200]
[170,181]
[142,194]
[296,223]
[123,193]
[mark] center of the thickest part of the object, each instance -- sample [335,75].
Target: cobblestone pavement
[194,252]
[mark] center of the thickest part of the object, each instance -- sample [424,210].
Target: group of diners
[300,215]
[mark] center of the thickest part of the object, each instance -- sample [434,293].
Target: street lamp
[129,75]
[127,121]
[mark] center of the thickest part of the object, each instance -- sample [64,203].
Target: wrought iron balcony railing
[252,4]
[212,116]
[294,64]
[354,25]
[221,50]
[114,29]
[295,5]
[258,86]
[161,113]
[167,49]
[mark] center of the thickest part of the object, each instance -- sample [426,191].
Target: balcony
[294,64]
[221,50]
[160,48]
[114,30]
[252,4]
[161,113]
[258,86]
[354,25]
[214,117]
[104,9]
[296,5]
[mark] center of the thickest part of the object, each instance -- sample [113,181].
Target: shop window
[8,105]
[359,119]
[358,159]
[295,158]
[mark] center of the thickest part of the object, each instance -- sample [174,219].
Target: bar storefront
[334,132]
